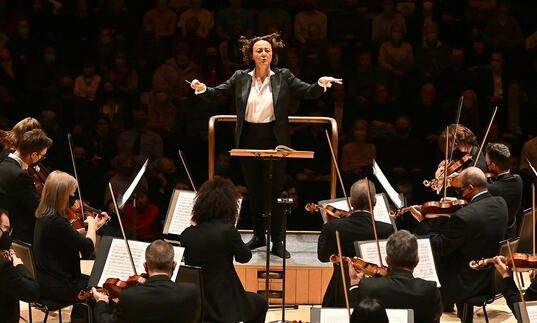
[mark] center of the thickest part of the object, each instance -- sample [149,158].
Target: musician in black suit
[17,192]
[159,299]
[472,232]
[506,184]
[356,227]
[211,243]
[399,289]
[261,97]
[16,282]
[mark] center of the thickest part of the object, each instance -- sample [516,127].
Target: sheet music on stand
[426,268]
[125,197]
[340,315]
[526,314]
[180,211]
[394,196]
[380,211]
[112,260]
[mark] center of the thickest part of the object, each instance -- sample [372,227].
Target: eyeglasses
[40,156]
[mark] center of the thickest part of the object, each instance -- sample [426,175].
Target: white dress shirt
[260,107]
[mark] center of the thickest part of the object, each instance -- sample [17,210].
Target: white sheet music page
[531,309]
[182,212]
[118,264]
[380,210]
[397,315]
[334,315]
[392,194]
[425,269]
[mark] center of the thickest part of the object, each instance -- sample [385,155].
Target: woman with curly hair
[262,95]
[211,243]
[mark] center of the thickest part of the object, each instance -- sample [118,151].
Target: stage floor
[302,246]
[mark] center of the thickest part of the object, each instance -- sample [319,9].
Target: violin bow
[446,162]
[373,220]
[338,240]
[121,227]
[486,134]
[458,118]
[337,169]
[187,169]
[70,141]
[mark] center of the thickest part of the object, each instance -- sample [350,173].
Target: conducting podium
[270,155]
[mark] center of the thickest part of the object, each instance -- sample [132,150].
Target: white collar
[478,195]
[22,164]
[252,72]
[507,172]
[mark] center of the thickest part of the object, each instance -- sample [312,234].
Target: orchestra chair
[495,290]
[23,250]
[525,230]
[192,274]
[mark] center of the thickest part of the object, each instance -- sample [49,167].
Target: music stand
[270,155]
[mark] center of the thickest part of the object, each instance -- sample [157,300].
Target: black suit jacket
[471,233]
[19,198]
[212,245]
[401,290]
[356,227]
[283,83]
[158,300]
[508,186]
[16,283]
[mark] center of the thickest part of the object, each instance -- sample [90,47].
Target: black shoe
[278,250]
[256,242]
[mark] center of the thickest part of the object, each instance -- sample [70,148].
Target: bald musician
[472,232]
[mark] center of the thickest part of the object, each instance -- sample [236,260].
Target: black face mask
[72,200]
[5,241]
[458,192]
[457,154]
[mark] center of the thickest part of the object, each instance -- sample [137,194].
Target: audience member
[204,16]
[381,27]
[305,18]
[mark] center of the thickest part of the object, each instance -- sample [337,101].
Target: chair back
[192,274]
[24,251]
[526,232]
[503,250]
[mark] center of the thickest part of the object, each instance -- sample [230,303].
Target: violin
[331,212]
[437,183]
[75,216]
[523,262]
[113,286]
[368,268]
[434,209]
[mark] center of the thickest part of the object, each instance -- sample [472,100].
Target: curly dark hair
[464,136]
[247,46]
[216,199]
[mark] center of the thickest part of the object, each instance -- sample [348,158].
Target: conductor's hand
[501,267]
[197,85]
[326,81]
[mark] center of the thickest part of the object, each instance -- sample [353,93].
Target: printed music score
[380,211]
[180,211]
[425,269]
[527,314]
[118,265]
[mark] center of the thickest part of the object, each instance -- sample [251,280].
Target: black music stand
[270,155]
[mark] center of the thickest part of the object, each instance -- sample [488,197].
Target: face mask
[120,62]
[457,154]
[72,200]
[49,58]
[5,241]
[397,37]
[458,193]
[24,31]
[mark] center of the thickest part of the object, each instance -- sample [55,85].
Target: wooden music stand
[270,155]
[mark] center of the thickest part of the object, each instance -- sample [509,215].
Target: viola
[368,268]
[523,262]
[331,212]
[75,216]
[437,183]
[434,209]
[113,286]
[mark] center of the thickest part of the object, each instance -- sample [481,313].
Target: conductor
[261,98]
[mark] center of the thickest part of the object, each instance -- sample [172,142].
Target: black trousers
[255,172]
